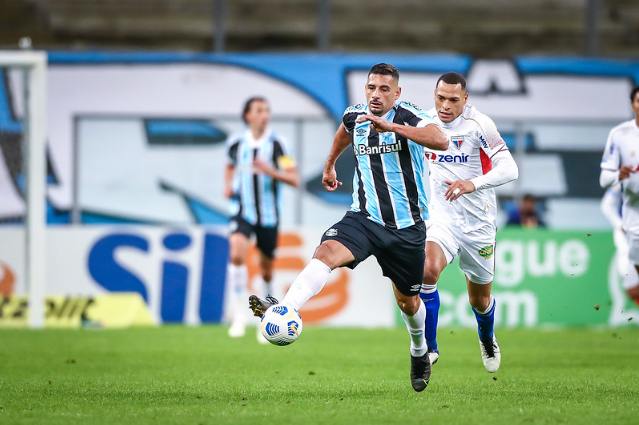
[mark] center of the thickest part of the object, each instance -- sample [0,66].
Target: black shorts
[400,253]
[266,237]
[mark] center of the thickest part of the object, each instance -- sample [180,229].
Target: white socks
[308,284]
[415,325]
[237,278]
[428,289]
[490,305]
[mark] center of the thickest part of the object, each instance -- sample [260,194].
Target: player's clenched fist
[329,180]
[625,171]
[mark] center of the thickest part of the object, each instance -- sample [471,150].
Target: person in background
[258,163]
[619,167]
[526,215]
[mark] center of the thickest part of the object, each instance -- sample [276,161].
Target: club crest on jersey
[487,251]
[331,232]
[457,140]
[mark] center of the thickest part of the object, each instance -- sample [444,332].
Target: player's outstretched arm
[430,136]
[340,143]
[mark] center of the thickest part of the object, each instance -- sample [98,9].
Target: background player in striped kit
[619,166]
[463,209]
[258,162]
[389,200]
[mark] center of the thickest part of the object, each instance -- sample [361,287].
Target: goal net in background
[23,178]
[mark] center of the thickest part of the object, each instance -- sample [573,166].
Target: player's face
[258,115]
[449,101]
[635,106]
[381,93]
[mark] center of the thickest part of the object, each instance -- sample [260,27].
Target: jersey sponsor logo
[457,140]
[377,150]
[484,143]
[487,251]
[433,157]
[331,232]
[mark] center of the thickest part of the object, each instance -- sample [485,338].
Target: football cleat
[419,372]
[433,355]
[490,354]
[259,306]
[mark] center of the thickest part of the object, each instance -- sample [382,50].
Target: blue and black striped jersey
[387,185]
[256,196]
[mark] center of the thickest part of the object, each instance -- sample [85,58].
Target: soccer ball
[281,325]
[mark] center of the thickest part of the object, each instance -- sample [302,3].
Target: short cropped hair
[633,93]
[385,69]
[452,78]
[249,103]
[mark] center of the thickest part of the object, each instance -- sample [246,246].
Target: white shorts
[475,249]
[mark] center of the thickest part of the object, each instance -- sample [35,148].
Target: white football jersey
[622,148]
[474,140]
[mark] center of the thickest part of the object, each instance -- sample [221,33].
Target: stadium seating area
[498,28]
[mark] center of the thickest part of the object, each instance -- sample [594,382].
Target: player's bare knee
[479,302]
[237,260]
[431,275]
[327,255]
[409,305]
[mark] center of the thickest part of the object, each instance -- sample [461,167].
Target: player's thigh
[266,241]
[346,243]
[477,255]
[402,258]
[435,262]
[446,237]
[239,241]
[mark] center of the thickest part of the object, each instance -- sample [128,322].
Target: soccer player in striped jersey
[258,162]
[389,205]
[463,210]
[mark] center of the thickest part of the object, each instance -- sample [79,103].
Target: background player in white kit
[463,209]
[611,208]
[619,165]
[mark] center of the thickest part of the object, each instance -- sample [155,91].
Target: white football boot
[238,327]
[490,354]
[260,335]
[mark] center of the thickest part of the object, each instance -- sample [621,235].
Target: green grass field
[199,376]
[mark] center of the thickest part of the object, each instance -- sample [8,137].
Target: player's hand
[262,167]
[625,171]
[228,191]
[457,189]
[329,180]
[379,124]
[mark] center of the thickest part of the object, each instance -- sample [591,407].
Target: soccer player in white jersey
[463,210]
[611,208]
[258,162]
[389,201]
[619,166]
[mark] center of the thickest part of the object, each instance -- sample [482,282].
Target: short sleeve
[611,159]
[350,115]
[413,115]
[232,145]
[281,155]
